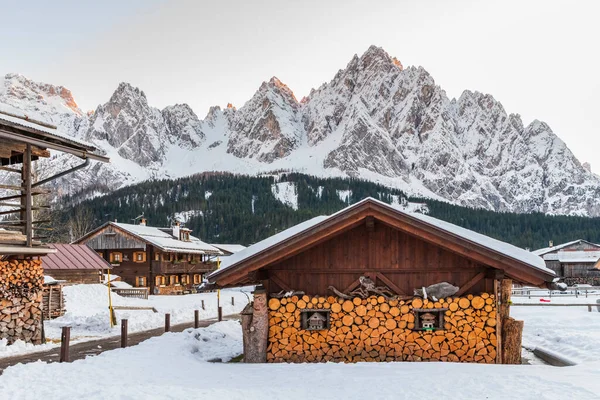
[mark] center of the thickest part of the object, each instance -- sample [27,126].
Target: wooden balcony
[182,267]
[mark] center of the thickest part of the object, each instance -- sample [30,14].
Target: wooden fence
[137,293]
[593,291]
[53,301]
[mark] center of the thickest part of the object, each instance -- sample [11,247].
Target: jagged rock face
[183,125]
[130,125]
[374,120]
[268,126]
[54,104]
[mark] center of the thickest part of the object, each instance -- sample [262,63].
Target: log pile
[20,300]
[376,329]
[53,301]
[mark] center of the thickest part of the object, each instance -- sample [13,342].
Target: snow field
[174,366]
[87,314]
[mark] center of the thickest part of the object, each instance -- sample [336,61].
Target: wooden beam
[9,169]
[275,279]
[390,284]
[472,282]
[352,286]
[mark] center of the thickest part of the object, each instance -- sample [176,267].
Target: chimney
[176,231]
[551,243]
[143,221]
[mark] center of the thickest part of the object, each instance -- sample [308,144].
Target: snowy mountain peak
[375,120]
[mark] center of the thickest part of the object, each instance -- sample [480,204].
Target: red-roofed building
[74,263]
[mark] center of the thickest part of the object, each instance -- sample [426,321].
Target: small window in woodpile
[315,320]
[429,319]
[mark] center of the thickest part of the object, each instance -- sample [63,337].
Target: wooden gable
[111,237]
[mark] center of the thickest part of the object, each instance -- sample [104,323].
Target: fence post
[232,301]
[64,343]
[196,319]
[123,333]
[220,314]
[586,293]
[167,322]
[203,305]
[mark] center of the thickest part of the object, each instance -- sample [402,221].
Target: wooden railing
[136,293]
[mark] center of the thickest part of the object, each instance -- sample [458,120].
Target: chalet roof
[229,248]
[512,254]
[161,238]
[540,252]
[73,256]
[573,256]
[14,124]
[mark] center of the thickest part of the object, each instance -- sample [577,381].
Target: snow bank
[173,366]
[571,331]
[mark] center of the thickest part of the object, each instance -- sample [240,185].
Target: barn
[74,263]
[374,283]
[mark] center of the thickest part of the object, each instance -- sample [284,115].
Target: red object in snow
[545,301]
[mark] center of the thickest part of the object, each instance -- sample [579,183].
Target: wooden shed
[391,285]
[74,263]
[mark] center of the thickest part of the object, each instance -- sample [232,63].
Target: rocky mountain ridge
[375,120]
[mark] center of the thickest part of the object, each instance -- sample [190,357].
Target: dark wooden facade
[575,262]
[383,252]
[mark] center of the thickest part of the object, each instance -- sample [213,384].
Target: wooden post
[255,328]
[26,202]
[220,312]
[505,292]
[64,343]
[123,333]
[167,322]
[232,301]
[512,332]
[203,305]
[196,319]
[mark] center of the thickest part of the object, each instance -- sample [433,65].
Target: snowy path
[81,350]
[174,366]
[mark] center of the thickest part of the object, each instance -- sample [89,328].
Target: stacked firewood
[376,329]
[20,278]
[20,300]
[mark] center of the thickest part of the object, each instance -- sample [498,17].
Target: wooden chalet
[575,262]
[166,260]
[374,283]
[24,140]
[74,263]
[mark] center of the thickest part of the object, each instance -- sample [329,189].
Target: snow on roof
[545,250]
[21,120]
[229,248]
[160,238]
[493,244]
[269,242]
[507,249]
[573,256]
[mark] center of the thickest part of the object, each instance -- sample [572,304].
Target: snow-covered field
[181,365]
[175,366]
[87,314]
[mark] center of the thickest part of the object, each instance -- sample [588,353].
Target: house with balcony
[166,260]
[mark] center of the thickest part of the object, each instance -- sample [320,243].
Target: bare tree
[80,223]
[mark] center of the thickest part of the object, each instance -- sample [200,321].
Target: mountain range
[375,120]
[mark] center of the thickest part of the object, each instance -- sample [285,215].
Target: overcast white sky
[539,58]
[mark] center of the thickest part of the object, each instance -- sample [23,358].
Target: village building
[24,140]
[574,262]
[374,283]
[74,263]
[166,260]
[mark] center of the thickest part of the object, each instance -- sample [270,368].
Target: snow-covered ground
[175,366]
[87,314]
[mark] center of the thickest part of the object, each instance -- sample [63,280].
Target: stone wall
[20,300]
[376,329]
